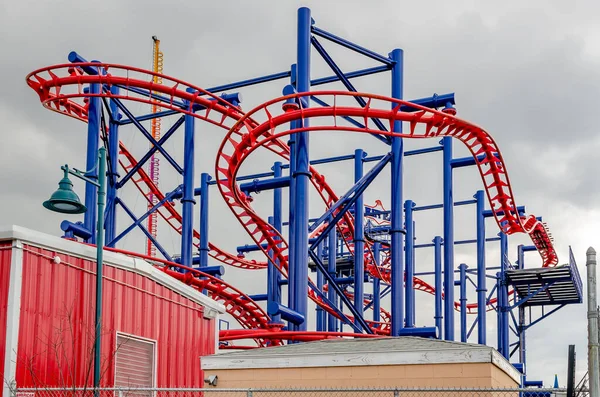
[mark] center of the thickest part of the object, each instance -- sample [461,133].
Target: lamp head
[65,200]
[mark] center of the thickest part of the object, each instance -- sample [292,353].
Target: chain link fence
[349,392]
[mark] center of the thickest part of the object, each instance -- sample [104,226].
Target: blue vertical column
[481,279]
[187,201]
[409,254]
[275,279]
[302,174]
[321,314]
[359,242]
[437,269]
[499,306]
[397,243]
[463,301]
[332,323]
[292,218]
[376,284]
[448,242]
[113,175]
[93,141]
[504,293]
[521,329]
[204,179]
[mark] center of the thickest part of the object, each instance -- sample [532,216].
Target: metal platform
[558,285]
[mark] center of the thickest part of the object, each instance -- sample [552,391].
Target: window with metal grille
[135,362]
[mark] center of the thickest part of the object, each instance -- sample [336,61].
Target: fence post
[120,392]
[396,393]
[249,393]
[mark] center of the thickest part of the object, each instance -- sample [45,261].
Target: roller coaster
[348,245]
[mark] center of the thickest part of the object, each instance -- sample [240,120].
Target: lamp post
[66,201]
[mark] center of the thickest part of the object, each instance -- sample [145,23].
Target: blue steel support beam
[144,230]
[292,205]
[409,254]
[437,265]
[302,175]
[151,152]
[273,286]
[521,327]
[504,292]
[93,141]
[113,175]
[354,47]
[204,178]
[257,186]
[489,213]
[148,116]
[249,82]
[320,313]
[397,242]
[359,236]
[251,248]
[332,324]
[338,72]
[187,223]
[292,316]
[463,302]
[376,285]
[349,75]
[448,242]
[275,278]
[499,317]
[481,279]
[148,136]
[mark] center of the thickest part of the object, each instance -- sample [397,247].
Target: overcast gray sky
[527,73]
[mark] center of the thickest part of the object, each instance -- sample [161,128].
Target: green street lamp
[66,201]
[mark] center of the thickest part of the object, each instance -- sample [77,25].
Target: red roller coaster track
[60,85]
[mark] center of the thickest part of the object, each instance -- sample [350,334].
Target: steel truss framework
[351,243]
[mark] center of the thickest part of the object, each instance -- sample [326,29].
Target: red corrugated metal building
[154,330]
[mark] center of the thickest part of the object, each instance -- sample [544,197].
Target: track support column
[503,291]
[397,242]
[437,265]
[332,322]
[376,285]
[187,224]
[113,175]
[481,269]
[204,179]
[302,174]
[359,236]
[409,253]
[463,302]
[448,242]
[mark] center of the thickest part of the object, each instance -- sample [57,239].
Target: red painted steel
[5,259]
[246,135]
[57,323]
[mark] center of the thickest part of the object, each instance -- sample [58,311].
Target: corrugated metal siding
[57,296]
[5,257]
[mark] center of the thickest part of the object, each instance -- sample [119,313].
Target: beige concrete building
[403,362]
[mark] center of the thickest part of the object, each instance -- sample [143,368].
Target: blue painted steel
[331,283]
[292,316]
[463,301]
[292,213]
[422,332]
[332,323]
[338,72]
[73,57]
[321,314]
[499,304]
[302,174]
[346,202]
[376,301]
[489,213]
[113,174]
[138,221]
[257,186]
[187,202]
[349,75]
[144,230]
[148,136]
[437,265]
[351,46]
[156,97]
[409,255]
[150,152]
[148,116]
[275,276]
[504,292]
[481,279]
[466,161]
[249,82]
[448,242]
[204,178]
[75,230]
[258,297]
[397,242]
[253,247]
[216,271]
[359,237]
[435,101]
[93,141]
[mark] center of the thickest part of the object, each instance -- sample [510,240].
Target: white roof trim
[117,260]
[468,354]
